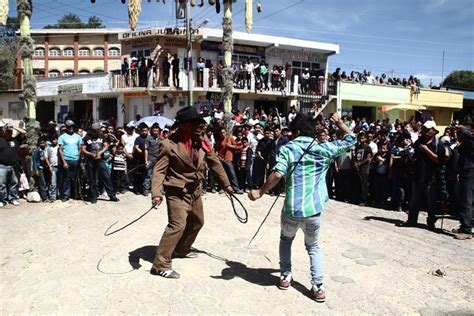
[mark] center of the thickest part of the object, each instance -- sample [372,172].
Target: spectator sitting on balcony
[344,75]
[258,77]
[382,79]
[369,78]
[336,75]
[200,71]
[166,66]
[125,70]
[175,64]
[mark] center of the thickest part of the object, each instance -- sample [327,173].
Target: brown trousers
[185,220]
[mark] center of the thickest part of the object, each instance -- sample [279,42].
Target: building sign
[242,49]
[135,94]
[298,55]
[169,31]
[70,89]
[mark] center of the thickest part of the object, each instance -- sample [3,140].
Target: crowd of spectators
[366,77]
[144,72]
[403,166]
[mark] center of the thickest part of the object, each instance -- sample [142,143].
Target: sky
[406,37]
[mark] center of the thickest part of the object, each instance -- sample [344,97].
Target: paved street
[55,259]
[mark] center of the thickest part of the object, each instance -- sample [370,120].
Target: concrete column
[120,113]
[76,54]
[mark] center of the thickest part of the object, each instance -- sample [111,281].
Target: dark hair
[155,125]
[142,125]
[303,124]
[267,129]
[244,139]
[120,145]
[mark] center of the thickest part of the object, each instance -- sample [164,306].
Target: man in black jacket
[9,161]
[466,183]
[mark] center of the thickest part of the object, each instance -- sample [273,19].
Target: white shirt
[249,67]
[291,117]
[373,147]
[253,141]
[128,141]
[219,115]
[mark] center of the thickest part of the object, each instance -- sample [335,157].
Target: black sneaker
[93,201]
[65,199]
[168,274]
[114,199]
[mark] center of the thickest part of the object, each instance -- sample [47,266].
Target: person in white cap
[425,186]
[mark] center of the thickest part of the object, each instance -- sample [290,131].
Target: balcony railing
[155,79]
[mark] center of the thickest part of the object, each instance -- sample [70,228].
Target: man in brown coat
[180,170]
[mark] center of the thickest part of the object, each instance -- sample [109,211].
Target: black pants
[466,193]
[423,197]
[380,188]
[343,185]
[242,177]
[259,171]
[119,180]
[40,181]
[176,79]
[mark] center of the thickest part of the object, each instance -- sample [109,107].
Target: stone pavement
[55,260]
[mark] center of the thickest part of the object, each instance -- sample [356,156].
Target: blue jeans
[53,188]
[8,184]
[310,227]
[148,176]
[69,177]
[40,181]
[229,169]
[93,168]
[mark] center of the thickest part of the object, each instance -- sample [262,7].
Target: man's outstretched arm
[271,182]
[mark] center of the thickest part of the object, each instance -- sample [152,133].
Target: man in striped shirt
[304,163]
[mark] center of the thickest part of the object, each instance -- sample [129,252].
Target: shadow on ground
[399,223]
[146,253]
[258,276]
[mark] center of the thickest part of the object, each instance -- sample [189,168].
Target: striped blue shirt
[306,191]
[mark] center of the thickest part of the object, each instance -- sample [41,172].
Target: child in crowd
[119,169]
[243,163]
[381,165]
[52,156]
[40,167]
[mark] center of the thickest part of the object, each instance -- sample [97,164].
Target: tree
[461,79]
[95,23]
[73,21]
[8,65]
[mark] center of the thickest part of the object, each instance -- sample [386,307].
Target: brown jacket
[174,168]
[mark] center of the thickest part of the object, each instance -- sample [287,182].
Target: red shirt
[224,152]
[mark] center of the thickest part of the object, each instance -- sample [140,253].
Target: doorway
[363,111]
[107,108]
[82,112]
[45,112]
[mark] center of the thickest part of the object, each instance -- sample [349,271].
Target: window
[54,52]
[39,52]
[68,51]
[114,52]
[54,73]
[84,72]
[84,52]
[98,51]
[141,52]
[68,73]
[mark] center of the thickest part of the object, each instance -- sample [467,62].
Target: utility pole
[442,71]
[189,48]
[228,45]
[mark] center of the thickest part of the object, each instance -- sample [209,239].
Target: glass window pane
[306,64]
[296,64]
